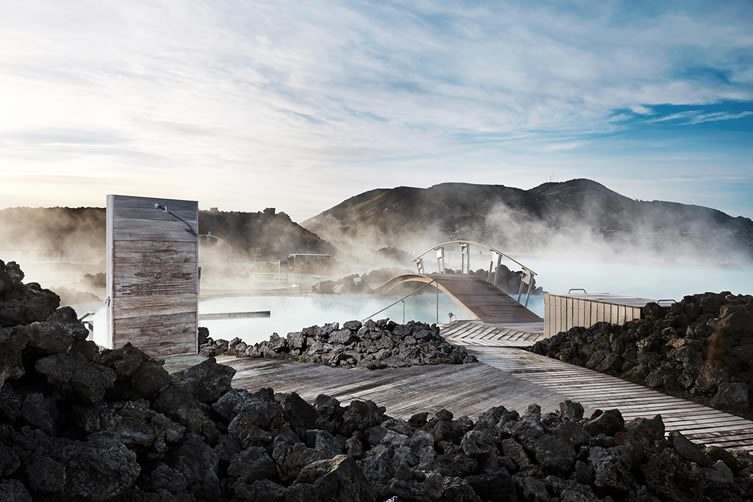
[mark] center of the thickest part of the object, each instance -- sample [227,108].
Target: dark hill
[576,212]
[79,233]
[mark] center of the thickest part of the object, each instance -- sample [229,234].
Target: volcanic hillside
[80,232]
[514,217]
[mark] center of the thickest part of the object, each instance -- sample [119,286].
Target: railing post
[528,293]
[437,288]
[465,258]
[492,276]
[520,289]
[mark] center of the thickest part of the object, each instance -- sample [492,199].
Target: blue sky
[300,105]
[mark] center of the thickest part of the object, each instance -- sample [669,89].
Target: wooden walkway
[464,389]
[511,377]
[490,335]
[597,390]
[484,300]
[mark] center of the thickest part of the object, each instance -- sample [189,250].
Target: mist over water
[649,280]
[292,313]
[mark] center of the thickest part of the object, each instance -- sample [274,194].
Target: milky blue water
[292,313]
[652,280]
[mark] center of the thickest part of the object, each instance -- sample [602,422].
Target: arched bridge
[476,294]
[484,300]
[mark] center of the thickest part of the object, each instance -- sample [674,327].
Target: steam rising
[580,219]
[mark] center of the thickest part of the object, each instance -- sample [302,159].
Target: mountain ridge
[509,215]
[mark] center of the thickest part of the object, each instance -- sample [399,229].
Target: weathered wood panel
[155,252]
[136,229]
[152,279]
[563,312]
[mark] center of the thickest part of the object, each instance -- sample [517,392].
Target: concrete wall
[152,274]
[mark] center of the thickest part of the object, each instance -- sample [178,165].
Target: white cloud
[717,116]
[300,104]
[559,147]
[641,110]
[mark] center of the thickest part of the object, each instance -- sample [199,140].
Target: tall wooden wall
[564,312]
[152,274]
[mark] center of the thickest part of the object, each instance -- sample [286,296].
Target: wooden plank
[131,229]
[134,307]
[149,212]
[124,203]
[154,252]
[156,279]
[148,330]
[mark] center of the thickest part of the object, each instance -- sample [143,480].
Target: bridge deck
[486,301]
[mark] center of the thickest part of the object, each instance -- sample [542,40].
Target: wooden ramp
[493,335]
[485,301]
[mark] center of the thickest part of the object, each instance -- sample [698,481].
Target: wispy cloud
[691,117]
[559,147]
[717,116]
[243,101]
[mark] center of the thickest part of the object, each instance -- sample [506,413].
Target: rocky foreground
[77,423]
[373,344]
[80,424]
[700,348]
[23,303]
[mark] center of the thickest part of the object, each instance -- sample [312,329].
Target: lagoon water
[655,281]
[293,311]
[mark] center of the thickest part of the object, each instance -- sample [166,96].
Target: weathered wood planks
[152,274]
[510,377]
[562,312]
[502,335]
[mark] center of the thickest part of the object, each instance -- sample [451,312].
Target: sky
[299,105]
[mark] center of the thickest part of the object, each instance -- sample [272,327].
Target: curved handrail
[491,248]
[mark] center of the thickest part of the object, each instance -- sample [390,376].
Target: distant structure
[214,209]
[152,275]
[270,211]
[308,262]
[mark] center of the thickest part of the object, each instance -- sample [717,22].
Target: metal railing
[526,278]
[403,301]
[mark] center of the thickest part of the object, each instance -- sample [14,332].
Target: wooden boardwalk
[597,390]
[490,335]
[506,376]
[464,389]
[485,301]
